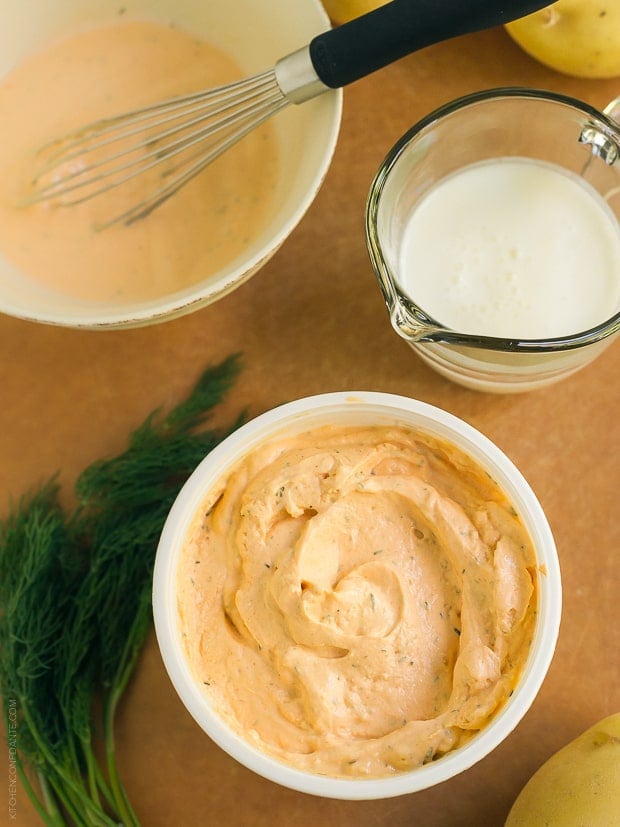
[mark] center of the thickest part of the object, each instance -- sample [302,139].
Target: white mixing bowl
[256,35]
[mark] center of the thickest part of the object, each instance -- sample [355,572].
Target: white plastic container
[354,409]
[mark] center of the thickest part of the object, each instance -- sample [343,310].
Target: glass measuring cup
[510,123]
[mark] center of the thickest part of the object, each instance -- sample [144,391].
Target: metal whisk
[179,137]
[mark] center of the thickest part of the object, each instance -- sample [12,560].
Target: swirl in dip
[357,601]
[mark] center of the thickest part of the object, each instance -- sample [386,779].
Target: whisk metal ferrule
[297,77]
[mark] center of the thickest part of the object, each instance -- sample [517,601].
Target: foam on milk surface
[514,248]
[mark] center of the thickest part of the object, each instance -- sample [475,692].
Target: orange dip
[357,601]
[100,72]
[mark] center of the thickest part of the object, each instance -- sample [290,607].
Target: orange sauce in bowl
[100,72]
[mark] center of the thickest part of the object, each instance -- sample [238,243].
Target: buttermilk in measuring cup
[513,247]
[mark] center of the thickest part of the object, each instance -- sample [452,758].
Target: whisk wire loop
[158,196]
[210,122]
[209,102]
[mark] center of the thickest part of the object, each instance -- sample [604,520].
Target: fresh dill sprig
[75,607]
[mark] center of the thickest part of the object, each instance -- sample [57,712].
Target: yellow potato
[340,11]
[578,786]
[576,37]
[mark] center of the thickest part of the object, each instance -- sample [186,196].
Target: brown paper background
[313,320]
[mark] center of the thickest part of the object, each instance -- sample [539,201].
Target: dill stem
[52,816]
[99,777]
[47,809]
[73,765]
[91,774]
[65,797]
[121,799]
[80,809]
[126,665]
[72,788]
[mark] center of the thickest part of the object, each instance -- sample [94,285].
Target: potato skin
[579,786]
[576,37]
[341,11]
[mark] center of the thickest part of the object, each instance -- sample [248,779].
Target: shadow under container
[492,124]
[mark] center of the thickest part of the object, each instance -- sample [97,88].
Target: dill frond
[75,606]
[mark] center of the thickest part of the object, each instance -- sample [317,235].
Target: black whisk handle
[355,49]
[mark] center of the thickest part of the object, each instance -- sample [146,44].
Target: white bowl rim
[303,413]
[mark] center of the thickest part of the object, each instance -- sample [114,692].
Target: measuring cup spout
[412,327]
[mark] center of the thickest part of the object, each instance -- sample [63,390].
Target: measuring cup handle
[355,49]
[612,110]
